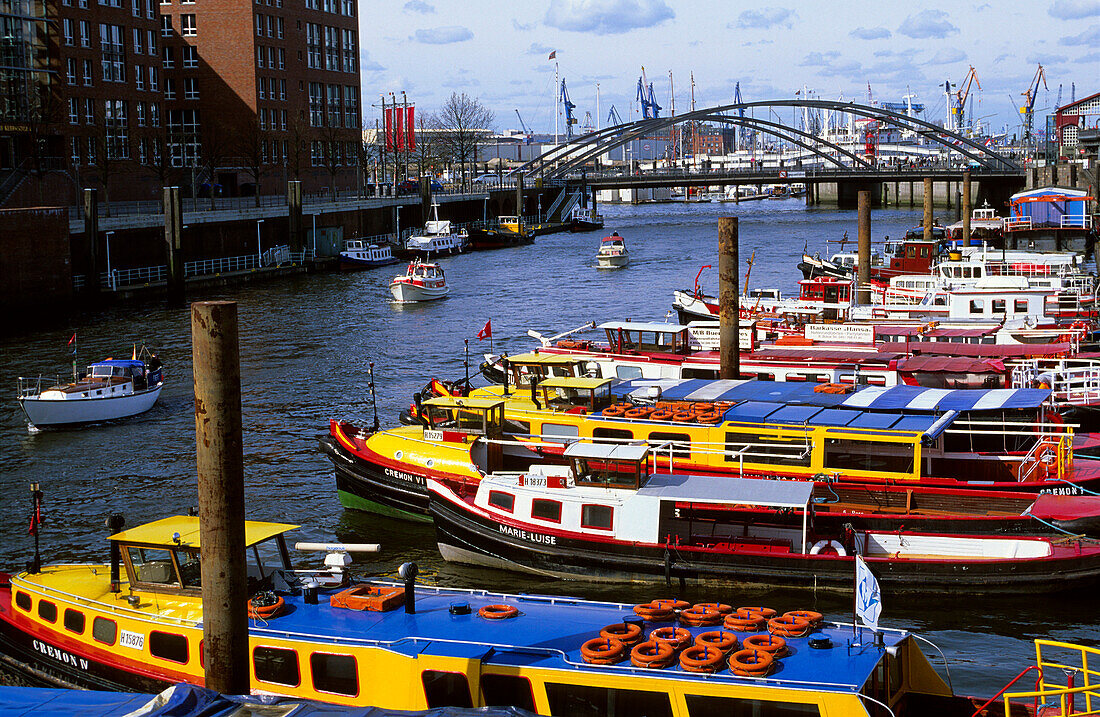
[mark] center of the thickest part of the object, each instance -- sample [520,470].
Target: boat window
[277,665]
[681,443]
[74,621]
[998,306]
[557,429]
[190,568]
[706,373]
[544,509]
[792,451]
[596,516]
[977,306]
[616,433]
[23,601]
[513,426]
[765,376]
[47,610]
[507,691]
[586,701]
[335,674]
[868,456]
[104,630]
[502,500]
[152,565]
[168,646]
[699,705]
[446,689]
[1020,305]
[628,372]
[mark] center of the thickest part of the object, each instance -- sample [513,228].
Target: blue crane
[744,135]
[522,126]
[570,120]
[646,99]
[613,116]
[1030,94]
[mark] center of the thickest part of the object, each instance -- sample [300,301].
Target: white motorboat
[612,253]
[420,282]
[112,389]
[359,254]
[437,238]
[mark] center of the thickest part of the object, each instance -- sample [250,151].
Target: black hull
[469,538]
[45,662]
[363,486]
[585,226]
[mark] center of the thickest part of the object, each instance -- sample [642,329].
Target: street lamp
[110,274]
[259,252]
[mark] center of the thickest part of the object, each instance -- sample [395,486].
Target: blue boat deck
[549,632]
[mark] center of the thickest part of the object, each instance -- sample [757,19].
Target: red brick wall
[36,271]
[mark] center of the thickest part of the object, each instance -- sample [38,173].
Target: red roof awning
[951,364]
[947,348]
[825,355]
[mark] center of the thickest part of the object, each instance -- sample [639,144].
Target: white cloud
[538,49]
[1089,37]
[927,24]
[947,55]
[419,6]
[443,35]
[1074,9]
[763,19]
[870,33]
[606,17]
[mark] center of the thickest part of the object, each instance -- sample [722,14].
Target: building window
[143,155]
[140,114]
[259,57]
[335,674]
[332,6]
[89,111]
[263,118]
[154,114]
[74,111]
[167,60]
[190,88]
[135,8]
[351,107]
[67,30]
[332,48]
[113,53]
[91,150]
[259,25]
[271,57]
[282,93]
[139,78]
[316,104]
[85,34]
[153,75]
[151,42]
[350,54]
[86,73]
[117,133]
[190,56]
[282,119]
[169,88]
[75,158]
[282,58]
[313,4]
[313,45]
[349,8]
[334,105]
[70,71]
[271,26]
[187,25]
[279,27]
[262,83]
[316,154]
[165,25]
[137,42]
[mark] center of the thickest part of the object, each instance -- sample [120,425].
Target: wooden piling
[927,221]
[863,210]
[966,207]
[294,216]
[173,246]
[220,462]
[91,235]
[425,197]
[728,301]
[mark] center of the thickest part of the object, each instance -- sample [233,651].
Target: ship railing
[34,385]
[109,607]
[1054,658]
[1050,454]
[1017,224]
[1076,221]
[201,267]
[1073,382]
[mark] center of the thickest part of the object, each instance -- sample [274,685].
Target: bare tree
[216,147]
[331,139]
[111,141]
[159,158]
[42,120]
[251,143]
[298,138]
[460,122]
[427,155]
[368,156]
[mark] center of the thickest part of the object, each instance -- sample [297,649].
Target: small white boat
[358,254]
[420,282]
[113,388]
[612,253]
[437,238]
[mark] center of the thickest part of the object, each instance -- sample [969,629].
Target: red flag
[387,121]
[552,55]
[72,340]
[36,517]
[410,132]
[487,332]
[399,128]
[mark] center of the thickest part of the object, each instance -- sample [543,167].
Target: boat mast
[556,110]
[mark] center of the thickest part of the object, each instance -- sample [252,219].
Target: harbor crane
[587,127]
[522,126]
[1029,105]
[570,120]
[958,107]
[613,116]
[646,99]
[745,138]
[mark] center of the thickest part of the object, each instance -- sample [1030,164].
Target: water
[305,345]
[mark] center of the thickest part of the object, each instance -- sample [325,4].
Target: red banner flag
[72,340]
[36,516]
[487,332]
[410,131]
[387,123]
[399,127]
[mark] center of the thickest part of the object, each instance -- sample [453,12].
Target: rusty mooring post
[519,197]
[173,246]
[863,210]
[966,208]
[927,221]
[728,301]
[220,460]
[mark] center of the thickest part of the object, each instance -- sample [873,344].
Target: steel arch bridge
[564,158]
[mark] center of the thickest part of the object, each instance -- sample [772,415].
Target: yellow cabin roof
[581,382]
[160,532]
[544,359]
[464,402]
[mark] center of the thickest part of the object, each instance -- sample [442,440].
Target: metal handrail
[1004,689]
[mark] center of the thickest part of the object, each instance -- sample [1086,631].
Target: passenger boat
[359,254]
[612,253]
[420,282]
[437,238]
[137,624]
[111,389]
[911,255]
[606,516]
[585,219]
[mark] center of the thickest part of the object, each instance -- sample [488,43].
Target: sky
[497,51]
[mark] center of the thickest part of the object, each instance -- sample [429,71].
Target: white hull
[62,412]
[612,262]
[405,292]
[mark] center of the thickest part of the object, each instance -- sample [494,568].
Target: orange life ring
[789,626]
[751,663]
[700,616]
[656,611]
[724,641]
[263,612]
[683,417]
[603,651]
[614,410]
[753,623]
[702,407]
[772,644]
[701,658]
[624,632]
[673,604]
[814,618]
[720,607]
[652,654]
[761,612]
[678,637]
[712,417]
[661,414]
[498,612]
[638,412]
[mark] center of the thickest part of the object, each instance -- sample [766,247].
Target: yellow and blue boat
[375,643]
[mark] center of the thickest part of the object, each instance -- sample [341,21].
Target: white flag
[868,597]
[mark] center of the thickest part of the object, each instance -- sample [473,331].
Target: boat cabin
[468,416]
[915,256]
[163,556]
[572,395]
[510,224]
[639,337]
[524,368]
[998,297]
[833,294]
